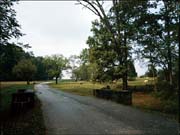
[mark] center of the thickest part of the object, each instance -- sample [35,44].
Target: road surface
[65,113]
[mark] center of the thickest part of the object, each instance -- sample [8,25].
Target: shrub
[168,96]
[165,90]
[170,105]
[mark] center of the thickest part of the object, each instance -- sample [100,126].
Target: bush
[143,88]
[170,105]
[165,90]
[168,96]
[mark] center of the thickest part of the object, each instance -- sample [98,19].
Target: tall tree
[80,66]
[24,70]
[55,64]
[118,24]
[169,34]
[9,27]
[84,56]
[159,36]
[74,62]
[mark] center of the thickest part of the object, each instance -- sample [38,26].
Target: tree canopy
[24,70]
[9,26]
[55,64]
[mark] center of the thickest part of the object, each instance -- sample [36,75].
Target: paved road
[66,113]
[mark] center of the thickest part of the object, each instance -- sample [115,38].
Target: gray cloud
[56,27]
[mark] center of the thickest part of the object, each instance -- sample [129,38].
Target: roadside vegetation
[143,99]
[27,123]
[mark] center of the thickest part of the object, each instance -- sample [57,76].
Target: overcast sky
[56,27]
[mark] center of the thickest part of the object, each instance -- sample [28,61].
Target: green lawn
[81,88]
[28,123]
[140,82]
[85,88]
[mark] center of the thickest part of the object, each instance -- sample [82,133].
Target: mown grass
[27,123]
[81,87]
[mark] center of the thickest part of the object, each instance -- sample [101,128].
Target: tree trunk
[28,82]
[167,21]
[169,56]
[166,75]
[153,72]
[125,84]
[125,75]
[56,80]
[154,82]
[170,73]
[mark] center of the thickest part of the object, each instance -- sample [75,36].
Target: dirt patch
[146,101]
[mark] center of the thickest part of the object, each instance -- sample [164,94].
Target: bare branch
[86,6]
[96,7]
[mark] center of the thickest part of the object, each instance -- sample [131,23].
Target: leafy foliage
[41,73]
[24,70]
[55,64]
[10,55]
[158,36]
[9,27]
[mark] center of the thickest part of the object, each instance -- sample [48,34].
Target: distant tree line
[16,64]
[83,69]
[11,55]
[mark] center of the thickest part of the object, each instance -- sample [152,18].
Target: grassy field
[85,88]
[80,88]
[140,82]
[30,122]
[10,83]
[141,100]
[7,84]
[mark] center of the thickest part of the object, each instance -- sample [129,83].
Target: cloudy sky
[56,27]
